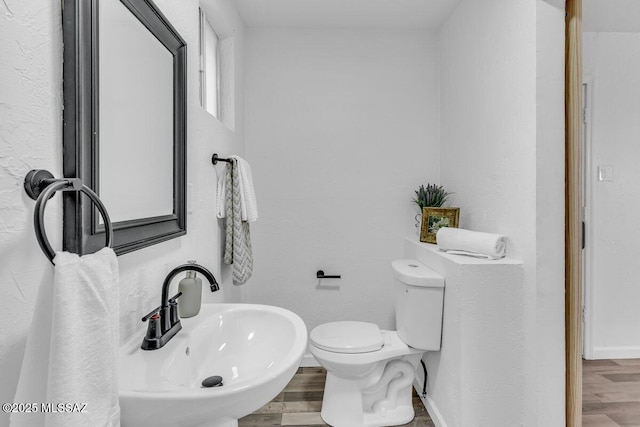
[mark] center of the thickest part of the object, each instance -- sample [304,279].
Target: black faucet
[164,322]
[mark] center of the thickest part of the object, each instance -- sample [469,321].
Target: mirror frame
[82,232]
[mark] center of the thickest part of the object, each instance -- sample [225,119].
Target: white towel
[472,243]
[248,202]
[221,206]
[72,348]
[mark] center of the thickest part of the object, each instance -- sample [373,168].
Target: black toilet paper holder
[320,275]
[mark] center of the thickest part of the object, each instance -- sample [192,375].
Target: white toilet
[370,371]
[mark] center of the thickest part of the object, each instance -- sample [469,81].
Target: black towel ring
[40,185]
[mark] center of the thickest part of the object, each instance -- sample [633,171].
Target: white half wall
[341,127]
[502,154]
[479,375]
[31,137]
[612,69]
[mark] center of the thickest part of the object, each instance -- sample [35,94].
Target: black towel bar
[215,159]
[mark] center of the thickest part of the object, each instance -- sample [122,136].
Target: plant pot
[418,219]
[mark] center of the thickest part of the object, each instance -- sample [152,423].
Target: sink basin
[256,349]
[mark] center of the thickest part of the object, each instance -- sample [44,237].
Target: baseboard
[430,405]
[616,353]
[308,361]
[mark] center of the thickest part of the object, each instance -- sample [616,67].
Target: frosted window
[209,67]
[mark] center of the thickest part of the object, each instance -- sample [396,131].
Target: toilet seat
[392,347]
[347,337]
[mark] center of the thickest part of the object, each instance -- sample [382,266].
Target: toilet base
[400,416]
[359,403]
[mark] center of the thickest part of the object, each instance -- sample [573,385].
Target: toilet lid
[347,337]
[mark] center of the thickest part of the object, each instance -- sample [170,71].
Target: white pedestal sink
[255,348]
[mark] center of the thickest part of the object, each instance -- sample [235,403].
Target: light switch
[605,173]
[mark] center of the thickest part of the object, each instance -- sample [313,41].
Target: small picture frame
[435,218]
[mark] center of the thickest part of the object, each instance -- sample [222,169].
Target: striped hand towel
[238,239]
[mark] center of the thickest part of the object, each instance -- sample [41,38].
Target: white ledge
[460,259]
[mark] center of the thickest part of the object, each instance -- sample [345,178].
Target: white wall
[611,15]
[548,339]
[31,137]
[502,139]
[612,69]
[488,73]
[341,127]
[478,376]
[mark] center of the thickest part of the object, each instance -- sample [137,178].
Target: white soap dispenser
[190,301]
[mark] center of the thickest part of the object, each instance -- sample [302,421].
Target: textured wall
[341,127]
[612,69]
[548,377]
[479,375]
[502,122]
[488,117]
[31,137]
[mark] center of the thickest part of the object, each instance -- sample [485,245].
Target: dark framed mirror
[124,123]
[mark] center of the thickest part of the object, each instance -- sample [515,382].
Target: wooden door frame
[573,212]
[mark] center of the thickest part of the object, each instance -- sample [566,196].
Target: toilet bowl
[359,390]
[370,371]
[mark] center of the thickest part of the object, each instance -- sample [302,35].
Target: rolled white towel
[473,243]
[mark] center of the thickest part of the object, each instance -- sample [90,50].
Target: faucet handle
[173,308]
[173,299]
[153,312]
[154,329]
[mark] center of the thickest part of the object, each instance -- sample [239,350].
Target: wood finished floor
[611,393]
[300,402]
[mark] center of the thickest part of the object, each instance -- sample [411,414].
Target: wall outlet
[605,173]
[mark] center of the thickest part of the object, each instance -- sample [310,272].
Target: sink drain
[214,381]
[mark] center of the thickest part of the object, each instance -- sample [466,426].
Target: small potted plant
[432,215]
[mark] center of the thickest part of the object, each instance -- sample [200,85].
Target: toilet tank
[419,301]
